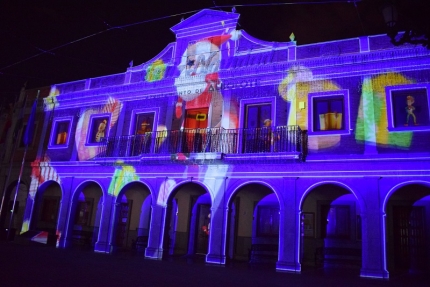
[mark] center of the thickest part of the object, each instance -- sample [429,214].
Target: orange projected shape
[196,118]
[330,121]
[61,138]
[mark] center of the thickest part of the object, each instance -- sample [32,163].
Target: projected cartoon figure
[101,131]
[295,88]
[410,110]
[155,71]
[198,84]
[85,122]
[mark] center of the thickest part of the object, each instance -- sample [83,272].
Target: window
[143,124]
[98,128]
[60,133]
[257,118]
[142,131]
[408,108]
[328,113]
[257,114]
[258,125]
[268,221]
[143,121]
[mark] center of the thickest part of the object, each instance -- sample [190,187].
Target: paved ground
[40,265]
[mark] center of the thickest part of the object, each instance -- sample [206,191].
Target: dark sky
[38,38]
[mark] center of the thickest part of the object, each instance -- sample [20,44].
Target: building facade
[240,149]
[15,159]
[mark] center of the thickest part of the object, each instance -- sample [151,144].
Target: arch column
[373,242]
[218,230]
[156,231]
[64,215]
[289,228]
[154,250]
[103,243]
[29,206]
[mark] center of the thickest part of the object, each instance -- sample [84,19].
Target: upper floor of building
[219,93]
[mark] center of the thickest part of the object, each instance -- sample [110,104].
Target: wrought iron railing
[285,139]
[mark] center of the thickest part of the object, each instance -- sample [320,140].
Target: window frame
[90,127]
[242,113]
[136,112]
[53,135]
[390,112]
[346,114]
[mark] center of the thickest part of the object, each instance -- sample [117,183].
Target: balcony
[282,142]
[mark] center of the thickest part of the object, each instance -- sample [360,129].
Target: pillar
[64,239]
[219,215]
[156,231]
[373,243]
[289,228]
[103,243]
[160,195]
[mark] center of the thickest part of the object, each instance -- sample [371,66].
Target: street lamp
[413,19]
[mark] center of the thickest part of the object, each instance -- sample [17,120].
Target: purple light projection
[219,80]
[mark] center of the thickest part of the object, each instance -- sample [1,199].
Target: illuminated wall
[364,104]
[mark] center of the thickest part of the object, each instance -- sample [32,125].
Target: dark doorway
[122,224]
[202,229]
[186,210]
[409,237]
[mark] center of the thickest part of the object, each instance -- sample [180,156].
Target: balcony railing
[281,139]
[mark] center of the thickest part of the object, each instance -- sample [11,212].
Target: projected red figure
[198,84]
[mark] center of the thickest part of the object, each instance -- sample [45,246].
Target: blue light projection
[363,108]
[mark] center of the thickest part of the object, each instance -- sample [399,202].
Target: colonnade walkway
[40,265]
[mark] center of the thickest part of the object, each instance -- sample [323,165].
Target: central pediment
[204,21]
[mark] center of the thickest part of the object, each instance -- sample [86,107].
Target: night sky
[39,38]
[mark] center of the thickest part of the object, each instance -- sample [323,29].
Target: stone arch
[330,219]
[399,186]
[170,185]
[132,215]
[201,184]
[337,183]
[253,216]
[188,203]
[47,206]
[85,211]
[233,189]
[406,210]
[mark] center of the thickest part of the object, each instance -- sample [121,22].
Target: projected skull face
[198,83]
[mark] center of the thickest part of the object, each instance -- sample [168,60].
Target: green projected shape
[123,175]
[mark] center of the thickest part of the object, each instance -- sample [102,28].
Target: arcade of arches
[331,216]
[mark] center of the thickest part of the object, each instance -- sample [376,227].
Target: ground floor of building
[291,217]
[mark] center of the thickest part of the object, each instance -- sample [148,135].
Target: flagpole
[28,136]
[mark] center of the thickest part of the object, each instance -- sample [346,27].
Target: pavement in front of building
[40,265]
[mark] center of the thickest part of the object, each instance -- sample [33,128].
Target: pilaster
[373,243]
[289,227]
[103,243]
